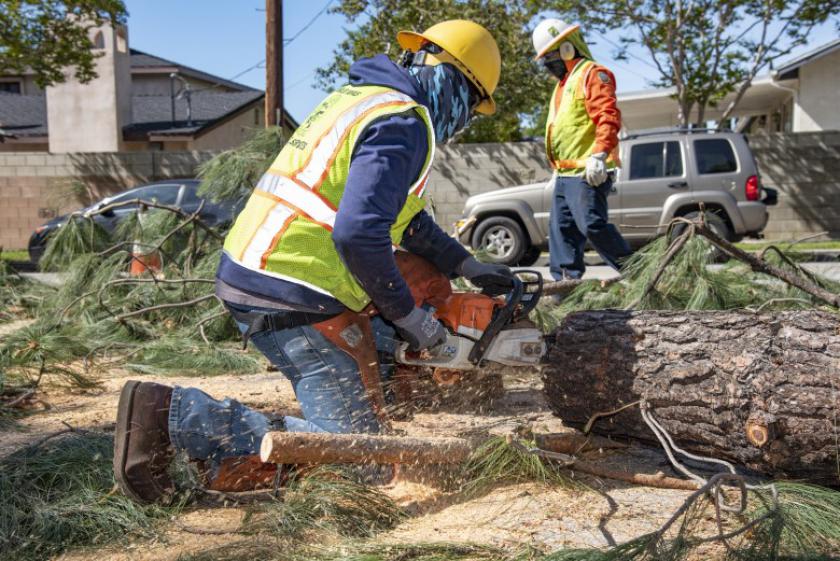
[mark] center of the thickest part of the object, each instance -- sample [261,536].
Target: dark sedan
[180,193]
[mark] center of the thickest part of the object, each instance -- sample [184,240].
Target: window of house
[10,87]
[715,155]
[655,159]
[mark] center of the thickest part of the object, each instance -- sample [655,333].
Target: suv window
[715,155]
[655,159]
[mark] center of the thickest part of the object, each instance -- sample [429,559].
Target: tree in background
[705,49]
[523,88]
[48,36]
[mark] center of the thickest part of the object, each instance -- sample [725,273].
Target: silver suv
[665,173]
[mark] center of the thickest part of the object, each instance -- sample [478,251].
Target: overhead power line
[309,24]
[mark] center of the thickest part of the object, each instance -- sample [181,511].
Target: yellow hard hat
[474,52]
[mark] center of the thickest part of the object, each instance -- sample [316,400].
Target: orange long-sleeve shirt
[601,105]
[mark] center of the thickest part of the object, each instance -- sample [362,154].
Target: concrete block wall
[35,187]
[805,168]
[462,170]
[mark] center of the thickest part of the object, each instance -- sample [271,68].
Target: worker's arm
[425,238]
[386,161]
[602,107]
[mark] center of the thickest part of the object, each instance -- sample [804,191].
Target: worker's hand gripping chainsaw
[480,327]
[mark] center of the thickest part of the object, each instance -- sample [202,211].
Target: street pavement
[829,270]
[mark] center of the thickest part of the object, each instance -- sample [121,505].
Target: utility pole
[273,62]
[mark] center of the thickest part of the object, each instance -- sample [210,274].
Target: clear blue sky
[225,37]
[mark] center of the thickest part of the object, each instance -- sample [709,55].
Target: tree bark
[761,390]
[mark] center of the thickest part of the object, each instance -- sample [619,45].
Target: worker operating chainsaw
[309,271]
[581,142]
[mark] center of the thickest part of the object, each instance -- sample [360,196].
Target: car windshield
[166,194]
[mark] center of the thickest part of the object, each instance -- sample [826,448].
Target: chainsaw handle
[532,292]
[503,316]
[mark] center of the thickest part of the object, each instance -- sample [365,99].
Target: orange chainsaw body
[462,312]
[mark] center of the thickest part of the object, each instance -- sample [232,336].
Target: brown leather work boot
[142,449]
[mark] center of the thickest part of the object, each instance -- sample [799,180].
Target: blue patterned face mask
[449,95]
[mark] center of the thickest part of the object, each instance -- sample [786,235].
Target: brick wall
[804,167]
[34,187]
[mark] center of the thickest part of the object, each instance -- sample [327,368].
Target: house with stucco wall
[801,95]
[138,102]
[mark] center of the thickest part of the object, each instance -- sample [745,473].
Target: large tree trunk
[762,390]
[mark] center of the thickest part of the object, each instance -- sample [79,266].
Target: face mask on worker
[557,67]
[451,100]
[555,61]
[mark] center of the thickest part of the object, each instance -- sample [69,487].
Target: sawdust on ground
[603,513]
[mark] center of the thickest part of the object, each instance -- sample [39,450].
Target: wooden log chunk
[762,390]
[331,448]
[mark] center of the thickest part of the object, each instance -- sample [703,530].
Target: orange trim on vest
[276,239]
[316,188]
[257,229]
[303,185]
[297,210]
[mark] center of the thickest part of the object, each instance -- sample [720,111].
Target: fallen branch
[658,480]
[141,311]
[760,266]
[673,250]
[152,204]
[331,448]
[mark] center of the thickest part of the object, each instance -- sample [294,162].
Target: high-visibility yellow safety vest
[285,229]
[569,130]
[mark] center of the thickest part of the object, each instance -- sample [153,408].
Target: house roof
[152,115]
[790,69]
[145,62]
[25,116]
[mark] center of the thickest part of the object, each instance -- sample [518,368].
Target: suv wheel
[716,224]
[501,239]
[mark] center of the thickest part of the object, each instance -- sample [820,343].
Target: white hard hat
[549,33]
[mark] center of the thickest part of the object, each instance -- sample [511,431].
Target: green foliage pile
[496,462]
[325,500]
[19,297]
[691,281]
[59,494]
[100,317]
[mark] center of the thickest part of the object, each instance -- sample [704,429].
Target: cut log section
[761,390]
[331,448]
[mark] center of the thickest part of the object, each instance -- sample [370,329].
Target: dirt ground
[605,513]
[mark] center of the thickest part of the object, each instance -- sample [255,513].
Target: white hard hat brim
[556,41]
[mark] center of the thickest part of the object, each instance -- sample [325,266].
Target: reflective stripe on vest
[284,231]
[570,131]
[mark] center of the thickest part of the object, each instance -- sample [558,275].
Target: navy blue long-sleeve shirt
[387,160]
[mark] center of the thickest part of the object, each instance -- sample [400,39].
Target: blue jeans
[579,211]
[326,382]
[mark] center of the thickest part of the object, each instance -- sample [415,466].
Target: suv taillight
[751,188]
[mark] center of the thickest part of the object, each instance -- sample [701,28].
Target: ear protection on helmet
[567,50]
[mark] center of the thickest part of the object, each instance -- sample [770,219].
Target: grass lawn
[16,255]
[802,246]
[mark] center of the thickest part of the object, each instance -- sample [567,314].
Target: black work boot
[142,449]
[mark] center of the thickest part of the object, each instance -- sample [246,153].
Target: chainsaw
[482,328]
